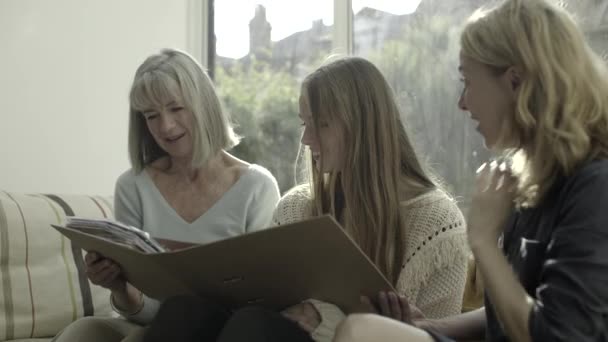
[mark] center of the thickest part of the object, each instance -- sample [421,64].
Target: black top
[559,250]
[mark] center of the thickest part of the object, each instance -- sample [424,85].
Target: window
[265,48]
[416,44]
[593,17]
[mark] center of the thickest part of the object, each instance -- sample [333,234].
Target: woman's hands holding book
[104,272]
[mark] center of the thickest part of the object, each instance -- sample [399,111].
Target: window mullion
[199,19]
[343,27]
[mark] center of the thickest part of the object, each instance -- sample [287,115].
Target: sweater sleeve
[294,206]
[435,265]
[128,210]
[127,203]
[264,201]
[331,316]
[145,315]
[571,299]
[442,296]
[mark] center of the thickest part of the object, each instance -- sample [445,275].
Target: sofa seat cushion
[43,286]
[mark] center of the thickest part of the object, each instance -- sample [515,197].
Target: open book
[275,267]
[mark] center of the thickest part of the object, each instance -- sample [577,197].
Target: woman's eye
[150,116]
[176,109]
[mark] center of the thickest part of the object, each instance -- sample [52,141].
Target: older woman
[183,184]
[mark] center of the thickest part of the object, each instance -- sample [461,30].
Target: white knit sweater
[435,261]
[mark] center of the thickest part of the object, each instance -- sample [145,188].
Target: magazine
[116,232]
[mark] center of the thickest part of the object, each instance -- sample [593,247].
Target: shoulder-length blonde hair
[167,76]
[561,111]
[379,160]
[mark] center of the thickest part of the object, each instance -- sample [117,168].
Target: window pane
[592,15]
[416,44]
[264,49]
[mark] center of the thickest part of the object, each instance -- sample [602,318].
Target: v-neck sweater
[246,207]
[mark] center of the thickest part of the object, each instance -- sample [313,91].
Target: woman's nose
[307,138]
[461,103]
[167,122]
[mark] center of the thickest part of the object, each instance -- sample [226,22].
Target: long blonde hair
[561,110]
[380,160]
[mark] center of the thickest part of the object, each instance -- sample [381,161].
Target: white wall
[65,70]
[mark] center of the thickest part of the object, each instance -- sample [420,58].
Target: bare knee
[86,324]
[89,328]
[373,328]
[355,328]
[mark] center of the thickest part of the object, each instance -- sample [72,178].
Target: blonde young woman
[537,91]
[183,186]
[366,174]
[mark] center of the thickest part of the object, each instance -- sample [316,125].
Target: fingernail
[481,168]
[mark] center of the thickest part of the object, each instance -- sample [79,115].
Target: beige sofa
[43,286]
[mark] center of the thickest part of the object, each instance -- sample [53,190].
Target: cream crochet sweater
[435,262]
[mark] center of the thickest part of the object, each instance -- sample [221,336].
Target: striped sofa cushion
[43,286]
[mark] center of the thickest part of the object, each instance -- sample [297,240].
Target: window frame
[202,42]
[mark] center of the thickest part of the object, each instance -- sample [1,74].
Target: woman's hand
[492,203]
[104,272]
[305,315]
[392,305]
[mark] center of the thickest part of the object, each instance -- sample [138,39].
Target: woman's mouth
[175,138]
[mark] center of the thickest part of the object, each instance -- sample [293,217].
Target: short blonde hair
[561,111]
[175,75]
